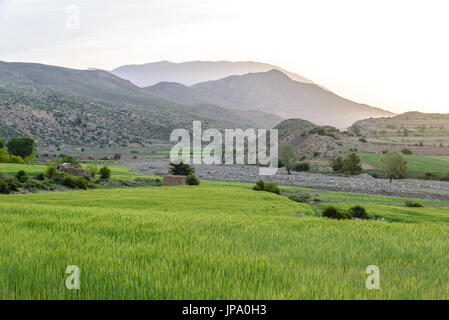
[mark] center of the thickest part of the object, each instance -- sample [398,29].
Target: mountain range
[59,105]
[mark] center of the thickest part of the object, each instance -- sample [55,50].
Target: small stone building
[170,180]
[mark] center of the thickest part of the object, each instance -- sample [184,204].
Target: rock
[170,180]
[72,169]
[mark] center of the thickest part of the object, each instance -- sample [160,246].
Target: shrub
[316,199]
[272,187]
[4,156]
[34,185]
[445,177]
[337,164]
[40,177]
[192,180]
[316,154]
[363,140]
[411,204]
[15,159]
[13,186]
[22,176]
[92,169]
[428,175]
[51,172]
[301,198]
[105,173]
[280,163]
[302,166]
[406,151]
[334,213]
[2,143]
[4,187]
[180,169]
[359,212]
[82,183]
[259,186]
[117,156]
[69,182]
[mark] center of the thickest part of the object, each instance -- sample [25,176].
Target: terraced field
[219,240]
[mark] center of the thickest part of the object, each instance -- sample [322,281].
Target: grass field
[416,164]
[220,240]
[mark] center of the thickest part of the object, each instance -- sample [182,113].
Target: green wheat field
[219,240]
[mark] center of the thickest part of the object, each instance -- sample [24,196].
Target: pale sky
[391,54]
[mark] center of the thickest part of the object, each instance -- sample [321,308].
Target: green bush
[259,186]
[105,173]
[445,177]
[337,164]
[2,143]
[22,176]
[4,156]
[406,151]
[301,198]
[272,187]
[192,180]
[411,204]
[4,187]
[180,169]
[69,182]
[301,166]
[363,140]
[15,159]
[51,172]
[334,213]
[34,186]
[352,164]
[82,183]
[359,212]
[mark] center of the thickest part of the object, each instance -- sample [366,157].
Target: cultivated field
[219,240]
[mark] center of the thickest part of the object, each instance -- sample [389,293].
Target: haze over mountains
[66,106]
[189,73]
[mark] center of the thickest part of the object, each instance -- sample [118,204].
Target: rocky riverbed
[425,189]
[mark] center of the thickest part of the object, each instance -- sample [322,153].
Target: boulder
[170,180]
[72,169]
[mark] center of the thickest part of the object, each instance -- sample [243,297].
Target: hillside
[275,92]
[189,73]
[423,133]
[312,141]
[65,106]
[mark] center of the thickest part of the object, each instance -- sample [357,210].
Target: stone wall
[170,180]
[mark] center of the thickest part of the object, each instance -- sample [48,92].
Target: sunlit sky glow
[390,54]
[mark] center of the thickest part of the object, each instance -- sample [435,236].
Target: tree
[105,173]
[337,164]
[180,169]
[2,143]
[394,165]
[22,147]
[352,164]
[288,157]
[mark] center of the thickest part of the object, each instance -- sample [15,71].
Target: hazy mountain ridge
[275,92]
[66,106]
[189,73]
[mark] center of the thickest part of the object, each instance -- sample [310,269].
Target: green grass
[416,164]
[118,172]
[219,240]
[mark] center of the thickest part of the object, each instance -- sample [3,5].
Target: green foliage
[334,213]
[70,182]
[51,172]
[2,143]
[4,157]
[15,159]
[445,177]
[105,173]
[393,165]
[300,197]
[272,187]
[411,204]
[21,176]
[301,166]
[192,180]
[81,183]
[352,164]
[288,157]
[359,212]
[406,151]
[363,140]
[180,169]
[92,169]
[4,187]
[259,186]
[22,147]
[337,164]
